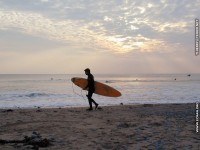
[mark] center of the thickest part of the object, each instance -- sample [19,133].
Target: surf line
[197,117]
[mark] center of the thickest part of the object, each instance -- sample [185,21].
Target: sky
[107,36]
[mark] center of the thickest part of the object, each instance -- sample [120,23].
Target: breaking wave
[36,95]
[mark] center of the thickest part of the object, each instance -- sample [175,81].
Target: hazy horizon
[125,74]
[109,37]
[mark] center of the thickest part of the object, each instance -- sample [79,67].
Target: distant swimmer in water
[189,75]
[91,88]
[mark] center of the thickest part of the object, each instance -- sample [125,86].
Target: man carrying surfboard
[91,88]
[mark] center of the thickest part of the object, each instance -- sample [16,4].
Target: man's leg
[94,102]
[90,99]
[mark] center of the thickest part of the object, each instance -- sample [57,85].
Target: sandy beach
[123,127]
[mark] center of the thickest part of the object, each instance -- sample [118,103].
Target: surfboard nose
[73,79]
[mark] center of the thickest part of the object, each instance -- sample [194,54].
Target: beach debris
[36,135]
[7,110]
[148,105]
[99,108]
[35,140]
[38,110]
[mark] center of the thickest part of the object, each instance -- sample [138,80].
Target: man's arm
[88,83]
[86,87]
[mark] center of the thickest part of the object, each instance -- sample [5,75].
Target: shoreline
[145,126]
[86,106]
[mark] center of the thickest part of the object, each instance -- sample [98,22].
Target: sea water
[46,90]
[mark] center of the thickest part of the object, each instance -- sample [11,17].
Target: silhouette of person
[91,88]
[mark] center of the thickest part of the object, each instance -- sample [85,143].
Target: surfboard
[100,88]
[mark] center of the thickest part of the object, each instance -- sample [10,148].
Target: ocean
[57,90]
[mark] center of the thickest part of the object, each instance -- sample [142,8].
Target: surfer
[91,88]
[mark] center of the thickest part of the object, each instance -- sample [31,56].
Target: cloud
[46,36]
[35,24]
[116,26]
[68,31]
[44,0]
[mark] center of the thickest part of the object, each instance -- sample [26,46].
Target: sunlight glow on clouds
[66,31]
[102,33]
[100,29]
[35,24]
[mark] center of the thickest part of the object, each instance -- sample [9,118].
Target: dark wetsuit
[91,89]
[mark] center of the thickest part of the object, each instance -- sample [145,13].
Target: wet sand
[134,127]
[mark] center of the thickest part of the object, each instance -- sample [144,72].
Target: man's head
[87,71]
